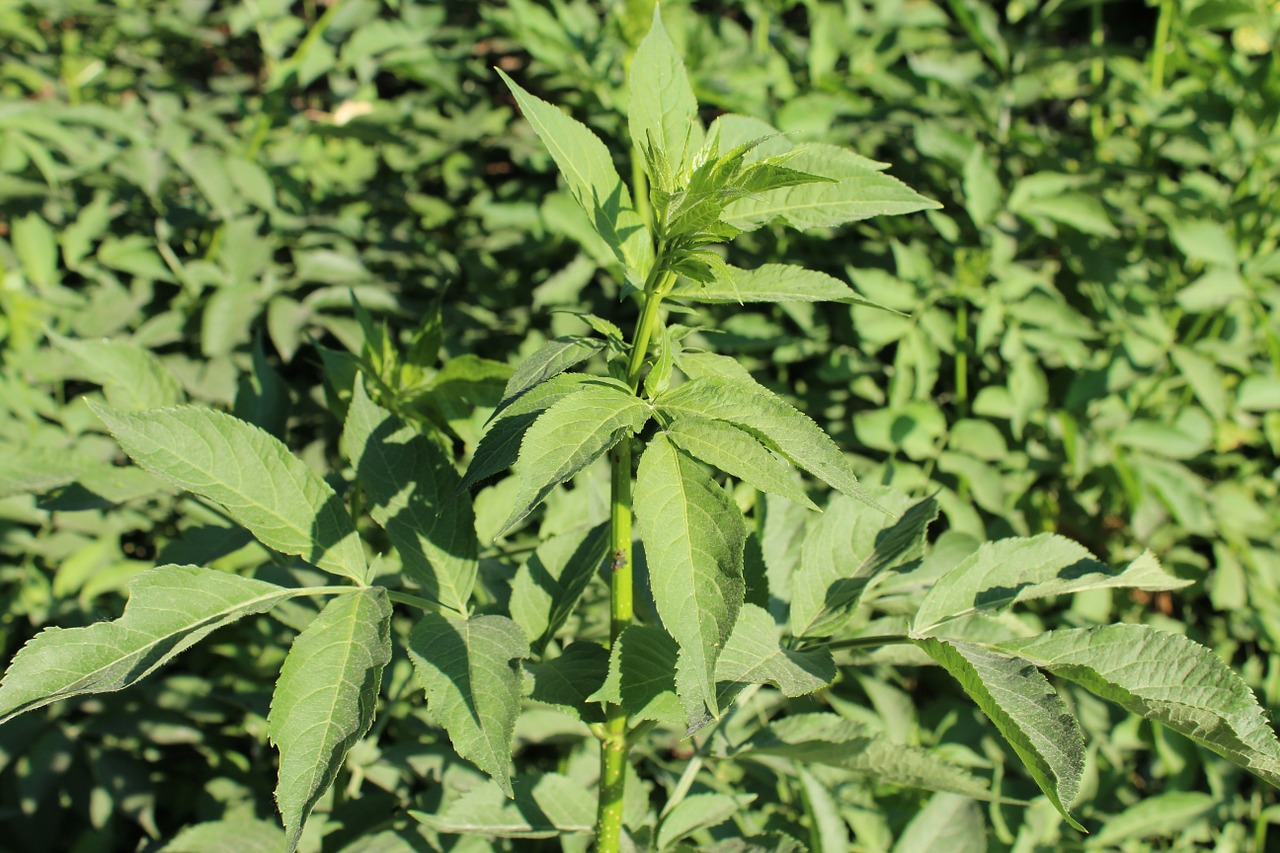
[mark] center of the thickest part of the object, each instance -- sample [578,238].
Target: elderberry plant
[711,609]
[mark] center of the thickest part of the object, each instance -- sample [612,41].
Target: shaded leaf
[949,822]
[569,680]
[1000,574]
[698,811]
[413,492]
[642,666]
[473,687]
[544,806]
[132,378]
[550,582]
[753,655]
[325,699]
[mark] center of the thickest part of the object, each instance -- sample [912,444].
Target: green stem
[962,357]
[614,746]
[1160,49]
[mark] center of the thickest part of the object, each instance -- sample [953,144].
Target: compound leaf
[693,536]
[1028,712]
[169,610]
[263,486]
[570,435]
[325,699]
[753,655]
[550,360]
[769,418]
[412,489]
[1000,574]
[737,453]
[1166,678]
[473,690]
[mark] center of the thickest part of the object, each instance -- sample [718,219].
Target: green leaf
[263,486]
[544,806]
[693,536]
[829,739]
[1166,678]
[500,446]
[737,453]
[753,655]
[570,435]
[550,582]
[860,190]
[662,107]
[36,245]
[588,170]
[131,377]
[473,689]
[698,811]
[569,681]
[642,666]
[1204,240]
[1162,815]
[412,489]
[949,822]
[326,697]
[847,548]
[1259,394]
[770,419]
[551,360]
[769,283]
[237,833]
[1028,712]
[170,609]
[1001,574]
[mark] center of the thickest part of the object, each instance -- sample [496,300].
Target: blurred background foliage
[1089,343]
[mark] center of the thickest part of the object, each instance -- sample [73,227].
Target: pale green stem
[613,735]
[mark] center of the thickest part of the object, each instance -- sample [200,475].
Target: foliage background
[1089,344]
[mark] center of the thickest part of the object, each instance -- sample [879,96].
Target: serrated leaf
[753,655]
[693,537]
[698,811]
[847,547]
[592,179]
[326,697]
[554,358]
[132,378]
[642,665]
[860,191]
[570,435]
[770,283]
[500,446]
[772,420]
[829,739]
[544,806]
[1166,678]
[550,582]
[662,107]
[169,610]
[263,486]
[737,453]
[473,689]
[1028,712]
[1001,574]
[413,493]
[569,680]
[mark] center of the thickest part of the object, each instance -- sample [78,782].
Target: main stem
[613,739]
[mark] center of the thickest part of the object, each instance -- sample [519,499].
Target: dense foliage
[333,222]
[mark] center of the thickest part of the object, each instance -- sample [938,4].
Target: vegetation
[311,270]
